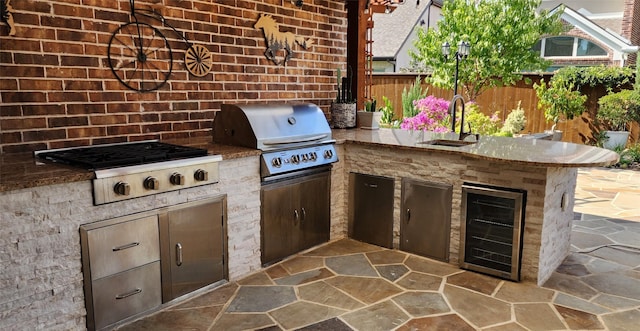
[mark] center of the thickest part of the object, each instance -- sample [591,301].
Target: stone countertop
[531,152]
[22,170]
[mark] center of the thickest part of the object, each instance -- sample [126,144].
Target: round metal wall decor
[198,60]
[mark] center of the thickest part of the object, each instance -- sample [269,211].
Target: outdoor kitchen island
[546,170]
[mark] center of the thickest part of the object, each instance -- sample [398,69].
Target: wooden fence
[503,100]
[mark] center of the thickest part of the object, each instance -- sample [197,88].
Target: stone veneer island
[547,170]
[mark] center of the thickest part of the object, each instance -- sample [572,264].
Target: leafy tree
[501,33]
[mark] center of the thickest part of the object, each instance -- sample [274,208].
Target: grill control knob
[201,175]
[276,162]
[328,154]
[176,179]
[305,157]
[122,188]
[151,183]
[295,159]
[313,156]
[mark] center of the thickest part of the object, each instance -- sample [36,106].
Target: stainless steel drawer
[118,247]
[125,294]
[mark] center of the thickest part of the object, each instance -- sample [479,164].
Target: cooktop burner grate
[119,155]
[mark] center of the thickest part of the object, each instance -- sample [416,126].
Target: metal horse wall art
[277,40]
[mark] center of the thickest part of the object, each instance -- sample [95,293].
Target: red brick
[68,97]
[43,109]
[39,84]
[107,119]
[86,108]
[8,84]
[43,135]
[60,72]
[61,22]
[9,111]
[86,132]
[123,130]
[79,61]
[24,123]
[56,122]
[20,97]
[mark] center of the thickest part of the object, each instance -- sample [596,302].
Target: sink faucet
[452,111]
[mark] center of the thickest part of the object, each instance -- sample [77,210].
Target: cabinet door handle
[304,214]
[408,215]
[123,247]
[178,254]
[128,294]
[371,185]
[296,216]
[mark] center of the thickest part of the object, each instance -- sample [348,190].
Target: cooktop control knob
[151,183]
[328,154]
[276,162]
[176,179]
[122,188]
[201,175]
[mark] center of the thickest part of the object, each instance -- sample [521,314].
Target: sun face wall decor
[277,40]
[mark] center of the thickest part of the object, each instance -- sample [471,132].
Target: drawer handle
[123,247]
[371,185]
[178,254]
[128,294]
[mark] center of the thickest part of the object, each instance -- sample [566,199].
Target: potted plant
[343,109]
[369,118]
[560,102]
[615,112]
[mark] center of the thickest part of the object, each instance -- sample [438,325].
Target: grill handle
[285,141]
[178,254]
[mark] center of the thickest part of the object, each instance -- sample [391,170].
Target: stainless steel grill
[293,138]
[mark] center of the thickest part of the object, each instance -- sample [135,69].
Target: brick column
[631,26]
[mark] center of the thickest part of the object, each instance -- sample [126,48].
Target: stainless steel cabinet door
[426,218]
[315,211]
[371,209]
[192,240]
[279,224]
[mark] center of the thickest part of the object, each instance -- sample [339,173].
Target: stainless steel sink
[447,142]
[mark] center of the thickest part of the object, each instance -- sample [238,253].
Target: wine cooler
[491,230]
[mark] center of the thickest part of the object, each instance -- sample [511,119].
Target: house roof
[387,42]
[606,36]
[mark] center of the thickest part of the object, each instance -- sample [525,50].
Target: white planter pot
[615,139]
[369,120]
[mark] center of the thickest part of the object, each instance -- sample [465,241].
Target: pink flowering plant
[433,115]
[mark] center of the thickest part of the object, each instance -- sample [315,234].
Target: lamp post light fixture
[461,53]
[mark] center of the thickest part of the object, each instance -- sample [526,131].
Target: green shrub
[515,122]
[481,123]
[415,92]
[616,110]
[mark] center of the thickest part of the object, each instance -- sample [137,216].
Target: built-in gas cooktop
[118,155]
[136,169]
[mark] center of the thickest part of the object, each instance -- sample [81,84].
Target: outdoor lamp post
[461,53]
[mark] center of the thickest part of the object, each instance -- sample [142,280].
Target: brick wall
[57,89]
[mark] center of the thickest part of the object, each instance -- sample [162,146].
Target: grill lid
[271,126]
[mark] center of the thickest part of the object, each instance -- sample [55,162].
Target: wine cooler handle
[178,254]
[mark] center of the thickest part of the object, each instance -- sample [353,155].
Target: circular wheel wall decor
[198,60]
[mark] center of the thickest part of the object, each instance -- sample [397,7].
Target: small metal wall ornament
[277,40]
[6,16]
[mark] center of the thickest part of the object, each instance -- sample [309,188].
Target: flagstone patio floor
[349,285]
